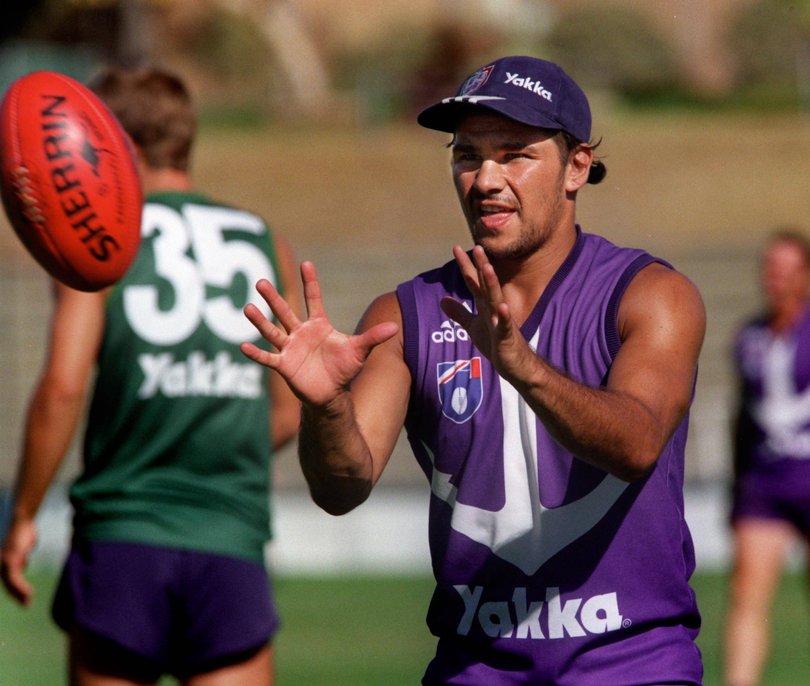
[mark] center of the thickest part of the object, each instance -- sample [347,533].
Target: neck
[164,179]
[786,315]
[523,281]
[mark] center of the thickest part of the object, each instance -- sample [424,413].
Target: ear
[578,167]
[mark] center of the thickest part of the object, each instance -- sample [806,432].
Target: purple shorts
[165,610]
[773,496]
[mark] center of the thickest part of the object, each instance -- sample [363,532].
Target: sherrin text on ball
[69,180]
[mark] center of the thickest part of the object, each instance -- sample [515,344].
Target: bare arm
[53,415]
[623,427]
[353,389]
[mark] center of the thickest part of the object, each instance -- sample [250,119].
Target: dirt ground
[372,207]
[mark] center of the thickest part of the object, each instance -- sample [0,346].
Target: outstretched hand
[317,361]
[491,328]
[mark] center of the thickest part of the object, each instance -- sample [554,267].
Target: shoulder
[659,296]
[446,279]
[384,308]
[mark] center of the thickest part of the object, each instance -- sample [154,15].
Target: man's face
[785,274]
[512,184]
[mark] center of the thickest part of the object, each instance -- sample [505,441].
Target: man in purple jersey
[771,503]
[544,379]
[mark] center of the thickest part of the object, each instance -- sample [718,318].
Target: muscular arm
[623,427]
[53,415]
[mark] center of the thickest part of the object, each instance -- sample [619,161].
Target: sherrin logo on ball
[69,180]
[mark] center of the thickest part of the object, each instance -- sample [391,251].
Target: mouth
[493,215]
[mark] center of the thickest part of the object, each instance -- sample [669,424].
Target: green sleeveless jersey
[177,445]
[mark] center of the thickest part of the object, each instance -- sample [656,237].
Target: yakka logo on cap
[528,84]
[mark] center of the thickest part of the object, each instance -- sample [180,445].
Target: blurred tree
[443,66]
[613,47]
[295,54]
[135,41]
[767,39]
[122,30]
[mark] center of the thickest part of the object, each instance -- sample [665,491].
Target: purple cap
[526,89]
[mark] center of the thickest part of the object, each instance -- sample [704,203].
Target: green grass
[31,651]
[353,631]
[369,631]
[790,626]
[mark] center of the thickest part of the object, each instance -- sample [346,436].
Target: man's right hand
[317,361]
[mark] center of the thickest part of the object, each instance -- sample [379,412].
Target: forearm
[50,425]
[607,428]
[335,458]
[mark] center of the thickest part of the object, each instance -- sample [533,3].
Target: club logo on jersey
[461,388]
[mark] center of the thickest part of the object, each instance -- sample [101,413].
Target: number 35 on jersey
[205,256]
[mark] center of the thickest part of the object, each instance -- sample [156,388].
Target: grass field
[370,631]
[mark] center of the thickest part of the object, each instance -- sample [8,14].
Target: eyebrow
[503,145]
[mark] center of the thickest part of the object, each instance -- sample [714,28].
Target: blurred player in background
[544,379]
[771,497]
[166,570]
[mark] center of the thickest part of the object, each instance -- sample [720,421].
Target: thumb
[379,333]
[456,311]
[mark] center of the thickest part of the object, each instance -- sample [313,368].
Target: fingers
[269,331]
[284,314]
[312,290]
[280,308]
[17,586]
[480,277]
[13,577]
[483,283]
[503,320]
[488,281]
[468,270]
[256,354]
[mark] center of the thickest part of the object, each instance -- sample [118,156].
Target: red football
[69,180]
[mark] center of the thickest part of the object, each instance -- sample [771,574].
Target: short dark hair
[155,109]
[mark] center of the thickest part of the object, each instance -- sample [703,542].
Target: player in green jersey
[166,570]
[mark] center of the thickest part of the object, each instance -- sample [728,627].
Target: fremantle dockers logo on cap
[477,80]
[460,388]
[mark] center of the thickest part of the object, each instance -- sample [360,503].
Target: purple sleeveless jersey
[548,570]
[772,443]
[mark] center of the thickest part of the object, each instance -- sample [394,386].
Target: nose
[489,178]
